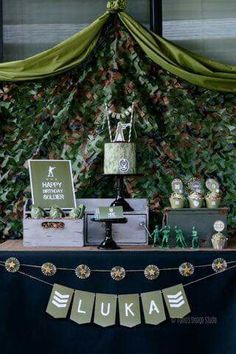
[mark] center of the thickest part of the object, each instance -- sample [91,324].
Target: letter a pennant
[153,307]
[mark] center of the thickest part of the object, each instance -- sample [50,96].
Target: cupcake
[218,241]
[195,200]
[213,200]
[177,200]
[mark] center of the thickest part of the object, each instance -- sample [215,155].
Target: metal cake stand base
[108,243]
[120,200]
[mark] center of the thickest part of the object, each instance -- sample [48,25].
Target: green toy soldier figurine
[180,241]
[195,238]
[156,236]
[166,235]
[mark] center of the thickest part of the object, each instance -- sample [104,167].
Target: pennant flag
[176,301]
[153,307]
[105,310]
[82,307]
[59,302]
[129,310]
[129,306]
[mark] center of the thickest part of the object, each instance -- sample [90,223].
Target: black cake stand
[108,243]
[120,200]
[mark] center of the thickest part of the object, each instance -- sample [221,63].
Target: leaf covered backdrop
[182,130]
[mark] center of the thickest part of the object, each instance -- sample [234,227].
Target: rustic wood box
[203,219]
[131,233]
[35,235]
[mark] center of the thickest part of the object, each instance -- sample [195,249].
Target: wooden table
[17,245]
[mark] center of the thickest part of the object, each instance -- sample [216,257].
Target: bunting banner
[82,308]
[129,310]
[102,309]
[106,309]
[153,307]
[59,302]
[176,301]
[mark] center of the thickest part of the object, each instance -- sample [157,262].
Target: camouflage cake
[120,158]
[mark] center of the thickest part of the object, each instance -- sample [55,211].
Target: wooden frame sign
[52,183]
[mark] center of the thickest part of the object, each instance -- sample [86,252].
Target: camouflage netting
[182,130]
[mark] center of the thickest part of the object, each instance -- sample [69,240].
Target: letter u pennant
[105,310]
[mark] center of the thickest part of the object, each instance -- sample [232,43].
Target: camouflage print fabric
[181,130]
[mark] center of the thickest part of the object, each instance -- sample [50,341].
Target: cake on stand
[120,155]
[120,162]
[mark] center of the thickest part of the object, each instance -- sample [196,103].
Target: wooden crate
[35,235]
[131,233]
[77,233]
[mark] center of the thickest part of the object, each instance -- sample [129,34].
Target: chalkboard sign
[52,183]
[109,213]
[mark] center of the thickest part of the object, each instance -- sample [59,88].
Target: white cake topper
[120,131]
[119,136]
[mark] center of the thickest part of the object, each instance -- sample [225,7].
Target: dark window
[207,27]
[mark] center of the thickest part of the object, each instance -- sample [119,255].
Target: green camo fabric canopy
[192,67]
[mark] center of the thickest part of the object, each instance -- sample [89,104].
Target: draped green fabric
[58,59]
[191,67]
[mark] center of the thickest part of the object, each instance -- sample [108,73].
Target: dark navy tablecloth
[25,328]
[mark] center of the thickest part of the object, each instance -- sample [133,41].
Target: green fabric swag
[58,59]
[189,66]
